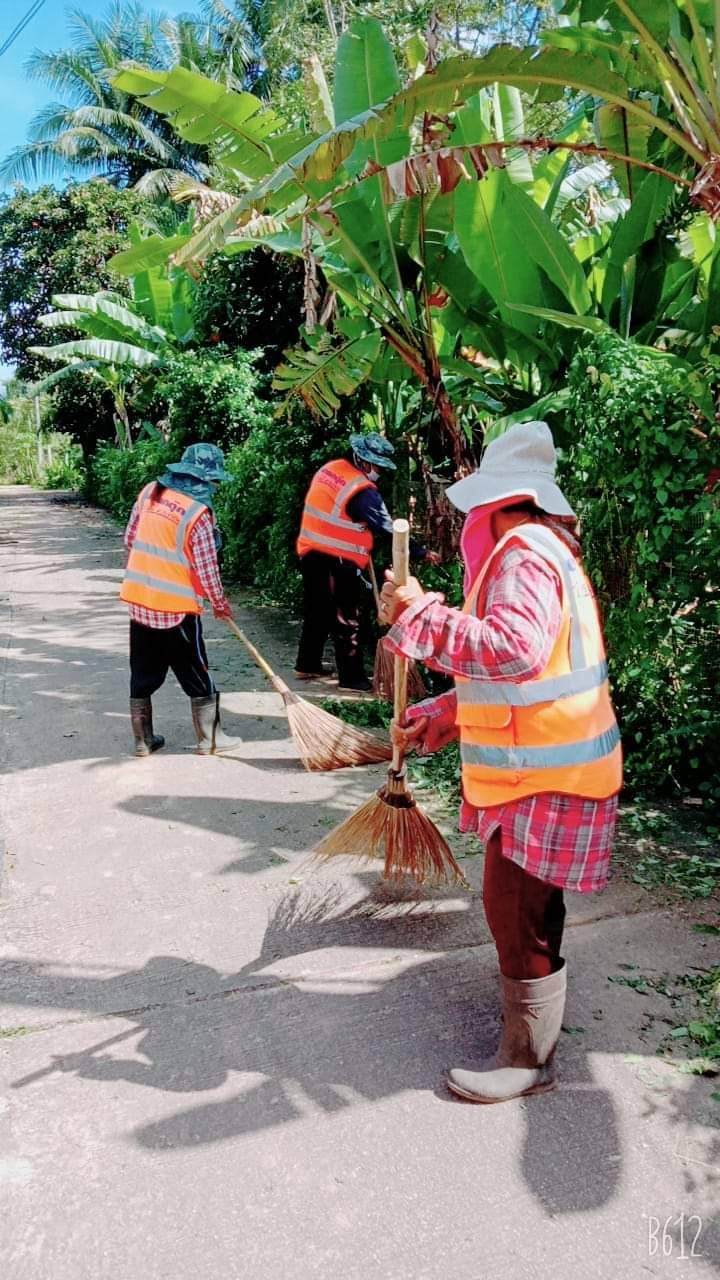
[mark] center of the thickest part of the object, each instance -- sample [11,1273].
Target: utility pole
[37,433]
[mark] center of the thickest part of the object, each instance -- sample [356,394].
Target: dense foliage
[212,396]
[55,242]
[116,476]
[253,300]
[638,470]
[364,215]
[55,462]
[259,511]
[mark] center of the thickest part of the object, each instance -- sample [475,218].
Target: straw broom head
[391,824]
[325,742]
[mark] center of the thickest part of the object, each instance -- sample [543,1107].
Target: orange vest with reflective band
[325,524]
[556,732]
[159,572]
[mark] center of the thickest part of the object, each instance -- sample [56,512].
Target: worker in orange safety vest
[172,543]
[343,511]
[540,746]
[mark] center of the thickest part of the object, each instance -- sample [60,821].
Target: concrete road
[218,1062]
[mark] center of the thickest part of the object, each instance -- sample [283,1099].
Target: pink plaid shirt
[565,840]
[205,564]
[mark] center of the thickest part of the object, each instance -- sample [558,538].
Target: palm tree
[230,39]
[98,131]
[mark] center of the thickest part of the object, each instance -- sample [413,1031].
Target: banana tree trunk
[122,425]
[426,368]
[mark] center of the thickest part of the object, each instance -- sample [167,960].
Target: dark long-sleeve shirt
[368,508]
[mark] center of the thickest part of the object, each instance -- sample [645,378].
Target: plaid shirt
[205,564]
[565,840]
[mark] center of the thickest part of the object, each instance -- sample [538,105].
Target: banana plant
[121,338]
[414,199]
[382,226]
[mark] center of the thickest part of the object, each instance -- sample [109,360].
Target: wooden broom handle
[256,656]
[401,563]
[376,593]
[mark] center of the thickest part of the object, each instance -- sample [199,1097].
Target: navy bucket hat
[375,449]
[201,462]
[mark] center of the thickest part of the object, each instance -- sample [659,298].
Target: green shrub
[637,474]
[67,469]
[252,300]
[80,407]
[259,512]
[20,461]
[213,395]
[116,476]
[18,452]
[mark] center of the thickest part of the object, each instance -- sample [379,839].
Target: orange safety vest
[556,732]
[159,573]
[325,524]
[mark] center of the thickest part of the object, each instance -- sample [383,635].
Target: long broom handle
[401,563]
[376,593]
[257,657]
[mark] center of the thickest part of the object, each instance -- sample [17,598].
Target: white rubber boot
[209,732]
[532,1019]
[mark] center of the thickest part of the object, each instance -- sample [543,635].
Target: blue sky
[21,98]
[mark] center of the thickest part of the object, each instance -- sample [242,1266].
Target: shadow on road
[328,1041]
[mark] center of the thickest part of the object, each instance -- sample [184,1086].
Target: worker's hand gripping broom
[384,670]
[391,824]
[324,741]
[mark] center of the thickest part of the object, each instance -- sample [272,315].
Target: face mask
[476,543]
[373,474]
[477,539]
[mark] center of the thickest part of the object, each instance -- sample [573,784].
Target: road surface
[218,1062]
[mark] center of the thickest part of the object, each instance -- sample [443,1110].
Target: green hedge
[116,476]
[637,472]
[259,512]
[213,395]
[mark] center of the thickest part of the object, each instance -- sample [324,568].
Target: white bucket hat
[520,463]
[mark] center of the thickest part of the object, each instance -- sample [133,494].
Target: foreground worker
[540,747]
[172,566]
[343,510]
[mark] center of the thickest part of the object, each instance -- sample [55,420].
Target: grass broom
[324,741]
[384,672]
[391,824]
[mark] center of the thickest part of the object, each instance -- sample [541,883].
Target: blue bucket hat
[375,449]
[202,462]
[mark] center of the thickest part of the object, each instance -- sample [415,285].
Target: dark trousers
[332,594]
[154,651]
[525,916]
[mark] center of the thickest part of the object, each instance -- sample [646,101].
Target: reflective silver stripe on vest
[506,693]
[177,556]
[347,491]
[171,556]
[158,584]
[194,510]
[556,757]
[561,559]
[336,521]
[337,544]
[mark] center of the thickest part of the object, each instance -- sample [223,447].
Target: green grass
[702,1034]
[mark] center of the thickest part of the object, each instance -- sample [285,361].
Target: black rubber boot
[209,732]
[142,726]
